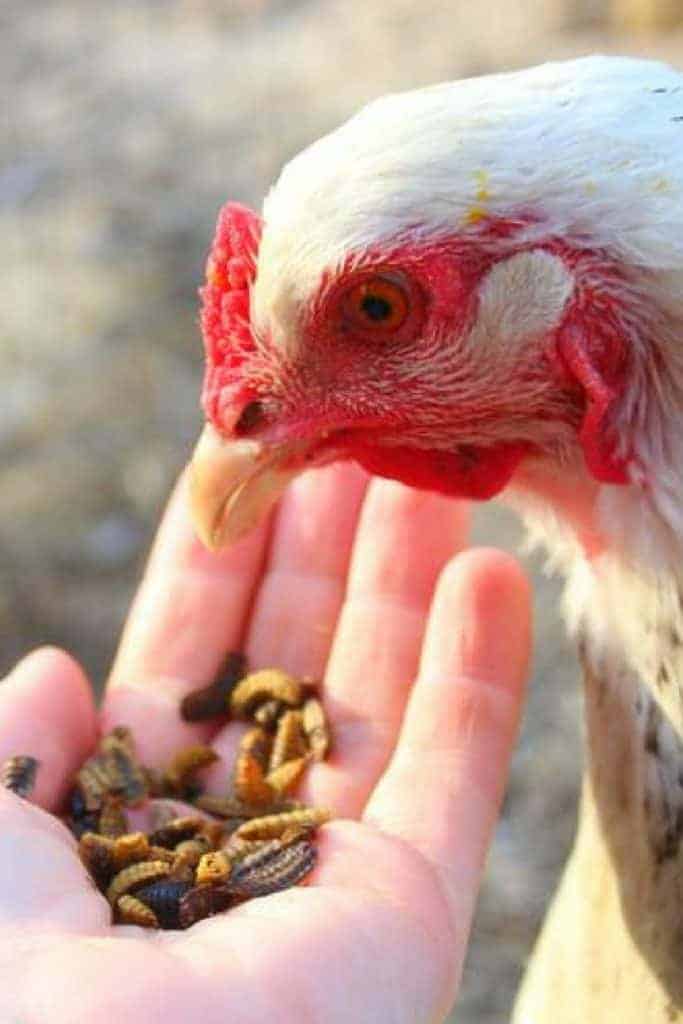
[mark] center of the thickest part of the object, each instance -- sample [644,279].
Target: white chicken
[478,288]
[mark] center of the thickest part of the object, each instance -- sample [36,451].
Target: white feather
[594,145]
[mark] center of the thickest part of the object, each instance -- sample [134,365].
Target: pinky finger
[47,711]
[443,787]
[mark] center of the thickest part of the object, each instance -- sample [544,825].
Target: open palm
[423,659]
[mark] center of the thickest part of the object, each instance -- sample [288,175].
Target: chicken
[477,288]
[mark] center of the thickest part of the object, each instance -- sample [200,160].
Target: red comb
[230,270]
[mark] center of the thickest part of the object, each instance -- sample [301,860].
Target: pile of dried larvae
[253,841]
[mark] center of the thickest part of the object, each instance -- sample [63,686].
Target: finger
[47,711]
[302,589]
[303,586]
[191,609]
[404,539]
[443,787]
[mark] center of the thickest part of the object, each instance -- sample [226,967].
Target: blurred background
[125,126]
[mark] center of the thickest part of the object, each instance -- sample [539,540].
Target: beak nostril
[250,418]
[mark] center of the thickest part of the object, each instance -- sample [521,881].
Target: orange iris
[377,304]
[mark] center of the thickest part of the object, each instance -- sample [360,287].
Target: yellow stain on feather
[482,194]
[481,177]
[475,214]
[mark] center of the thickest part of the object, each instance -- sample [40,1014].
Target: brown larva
[267,714]
[249,781]
[131,910]
[113,821]
[272,868]
[289,742]
[316,729]
[135,876]
[176,830]
[18,774]
[164,897]
[213,700]
[266,685]
[203,901]
[258,743]
[213,867]
[179,777]
[283,779]
[273,825]
[97,854]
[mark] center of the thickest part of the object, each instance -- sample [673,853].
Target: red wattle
[598,367]
[468,472]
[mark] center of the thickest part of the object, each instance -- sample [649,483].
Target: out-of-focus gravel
[125,126]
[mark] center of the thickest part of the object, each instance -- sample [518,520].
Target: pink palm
[346,586]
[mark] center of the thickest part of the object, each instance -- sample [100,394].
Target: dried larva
[272,868]
[268,684]
[161,853]
[130,848]
[221,806]
[314,722]
[163,810]
[176,830]
[294,833]
[135,876]
[113,821]
[236,849]
[267,714]
[187,856]
[285,778]
[213,832]
[94,782]
[231,808]
[258,743]
[112,769]
[18,774]
[179,777]
[126,775]
[198,846]
[131,910]
[164,898]
[97,854]
[80,819]
[203,901]
[252,842]
[289,742]
[213,867]
[272,826]
[211,701]
[120,737]
[249,781]
[184,863]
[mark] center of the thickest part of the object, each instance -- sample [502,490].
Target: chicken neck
[612,945]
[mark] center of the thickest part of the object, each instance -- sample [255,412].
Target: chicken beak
[233,484]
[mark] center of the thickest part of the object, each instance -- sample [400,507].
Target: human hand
[345,586]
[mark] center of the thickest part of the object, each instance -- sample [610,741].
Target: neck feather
[621,550]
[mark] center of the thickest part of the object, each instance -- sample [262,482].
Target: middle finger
[404,539]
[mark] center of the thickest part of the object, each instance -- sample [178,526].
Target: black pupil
[376,308]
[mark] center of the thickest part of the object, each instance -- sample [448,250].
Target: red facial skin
[339,409]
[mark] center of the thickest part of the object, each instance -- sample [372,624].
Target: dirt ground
[125,126]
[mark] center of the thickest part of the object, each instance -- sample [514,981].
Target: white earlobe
[521,298]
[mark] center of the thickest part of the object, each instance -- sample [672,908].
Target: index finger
[190,609]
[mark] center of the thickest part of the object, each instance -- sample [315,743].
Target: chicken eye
[377,304]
